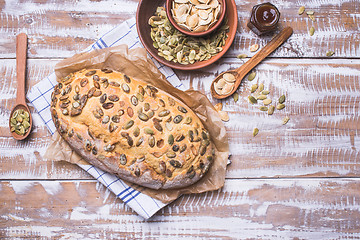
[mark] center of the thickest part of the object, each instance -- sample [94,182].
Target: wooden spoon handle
[265,51]
[21,49]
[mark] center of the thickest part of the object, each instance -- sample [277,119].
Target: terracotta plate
[147,8]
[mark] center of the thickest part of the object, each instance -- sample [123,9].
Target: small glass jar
[264,18]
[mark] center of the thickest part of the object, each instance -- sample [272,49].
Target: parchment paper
[135,63]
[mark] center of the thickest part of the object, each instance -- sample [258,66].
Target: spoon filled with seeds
[226,83]
[20,122]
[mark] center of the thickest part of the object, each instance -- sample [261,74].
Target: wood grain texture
[295,181]
[260,209]
[59,30]
[321,138]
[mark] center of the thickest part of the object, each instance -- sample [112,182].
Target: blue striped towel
[40,97]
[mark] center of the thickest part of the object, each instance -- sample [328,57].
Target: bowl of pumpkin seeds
[196,17]
[177,50]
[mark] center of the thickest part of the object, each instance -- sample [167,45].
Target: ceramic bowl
[147,8]
[169,4]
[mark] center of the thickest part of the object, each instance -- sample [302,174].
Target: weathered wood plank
[24,159]
[323,131]
[68,27]
[261,209]
[321,138]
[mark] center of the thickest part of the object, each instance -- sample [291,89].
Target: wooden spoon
[21,49]
[241,72]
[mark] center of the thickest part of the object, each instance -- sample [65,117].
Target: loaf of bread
[131,129]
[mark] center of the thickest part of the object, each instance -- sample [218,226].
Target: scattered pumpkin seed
[255,132]
[280,106]
[254,87]
[265,92]
[301,10]
[241,56]
[252,100]
[261,97]
[251,76]
[330,53]
[261,87]
[263,108]
[236,97]
[282,99]
[267,101]
[271,109]
[285,120]
[312,31]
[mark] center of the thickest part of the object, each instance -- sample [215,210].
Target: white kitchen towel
[40,97]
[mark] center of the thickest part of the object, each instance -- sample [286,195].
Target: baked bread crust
[131,129]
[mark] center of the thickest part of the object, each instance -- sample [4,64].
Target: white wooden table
[295,181]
